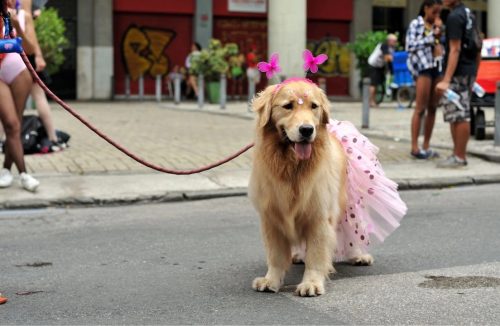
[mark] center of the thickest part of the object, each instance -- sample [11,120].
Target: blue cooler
[402,75]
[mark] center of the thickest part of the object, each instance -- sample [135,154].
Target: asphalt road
[193,263]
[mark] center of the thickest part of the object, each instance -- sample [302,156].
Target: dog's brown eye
[288,106]
[314,106]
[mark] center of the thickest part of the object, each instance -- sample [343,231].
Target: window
[389,19]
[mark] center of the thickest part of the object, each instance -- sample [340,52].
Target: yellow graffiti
[339,57]
[144,51]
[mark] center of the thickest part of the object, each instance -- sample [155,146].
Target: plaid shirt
[419,47]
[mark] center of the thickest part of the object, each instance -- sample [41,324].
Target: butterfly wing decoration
[270,68]
[311,62]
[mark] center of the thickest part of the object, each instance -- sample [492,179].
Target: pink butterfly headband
[310,63]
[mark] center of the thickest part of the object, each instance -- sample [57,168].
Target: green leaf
[50,30]
[213,62]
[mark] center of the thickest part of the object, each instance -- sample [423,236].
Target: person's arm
[28,44]
[478,61]
[451,65]
[386,53]
[415,40]
[455,26]
[37,51]
[27,5]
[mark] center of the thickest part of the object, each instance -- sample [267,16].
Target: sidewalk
[91,172]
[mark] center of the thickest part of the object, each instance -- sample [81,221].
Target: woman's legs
[193,82]
[44,112]
[430,117]
[18,93]
[12,126]
[423,88]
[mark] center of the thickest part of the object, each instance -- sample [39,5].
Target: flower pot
[213,90]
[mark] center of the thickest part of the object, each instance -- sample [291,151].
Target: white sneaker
[5,178]
[28,182]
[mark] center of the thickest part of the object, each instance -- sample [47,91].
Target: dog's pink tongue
[303,150]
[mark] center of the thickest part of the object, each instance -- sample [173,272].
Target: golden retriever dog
[298,185]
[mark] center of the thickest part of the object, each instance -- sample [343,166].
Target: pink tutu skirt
[374,208]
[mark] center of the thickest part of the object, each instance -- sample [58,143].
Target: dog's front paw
[362,260]
[263,284]
[310,289]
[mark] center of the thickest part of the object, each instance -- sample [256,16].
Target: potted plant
[211,63]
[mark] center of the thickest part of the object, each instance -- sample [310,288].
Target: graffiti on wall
[339,56]
[143,51]
[244,32]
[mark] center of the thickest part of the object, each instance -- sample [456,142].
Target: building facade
[151,38]
[120,38]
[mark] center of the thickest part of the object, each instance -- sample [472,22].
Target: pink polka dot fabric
[374,208]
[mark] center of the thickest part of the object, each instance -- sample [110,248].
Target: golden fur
[299,201]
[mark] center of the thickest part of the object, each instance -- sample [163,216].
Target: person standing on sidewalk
[252,58]
[463,54]
[423,46]
[377,63]
[192,79]
[15,85]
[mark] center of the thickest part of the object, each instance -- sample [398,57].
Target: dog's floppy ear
[262,105]
[325,107]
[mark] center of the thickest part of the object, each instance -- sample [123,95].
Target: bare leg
[422,99]
[44,111]
[373,103]
[19,90]
[21,87]
[462,132]
[12,125]
[453,133]
[430,118]
[193,82]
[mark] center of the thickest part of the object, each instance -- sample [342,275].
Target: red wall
[175,51]
[330,9]
[323,32]
[327,19]
[155,6]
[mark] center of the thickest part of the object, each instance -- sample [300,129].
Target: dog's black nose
[306,130]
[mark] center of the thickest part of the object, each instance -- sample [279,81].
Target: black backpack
[34,137]
[471,42]
[30,133]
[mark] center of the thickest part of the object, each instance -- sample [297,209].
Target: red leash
[118,146]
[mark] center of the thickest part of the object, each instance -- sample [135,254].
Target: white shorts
[12,65]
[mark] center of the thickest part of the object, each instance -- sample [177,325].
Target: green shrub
[213,62]
[364,45]
[50,29]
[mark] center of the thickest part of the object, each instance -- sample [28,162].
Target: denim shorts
[433,73]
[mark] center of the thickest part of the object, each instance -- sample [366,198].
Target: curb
[403,185]
[142,199]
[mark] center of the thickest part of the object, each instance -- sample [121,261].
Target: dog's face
[296,111]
